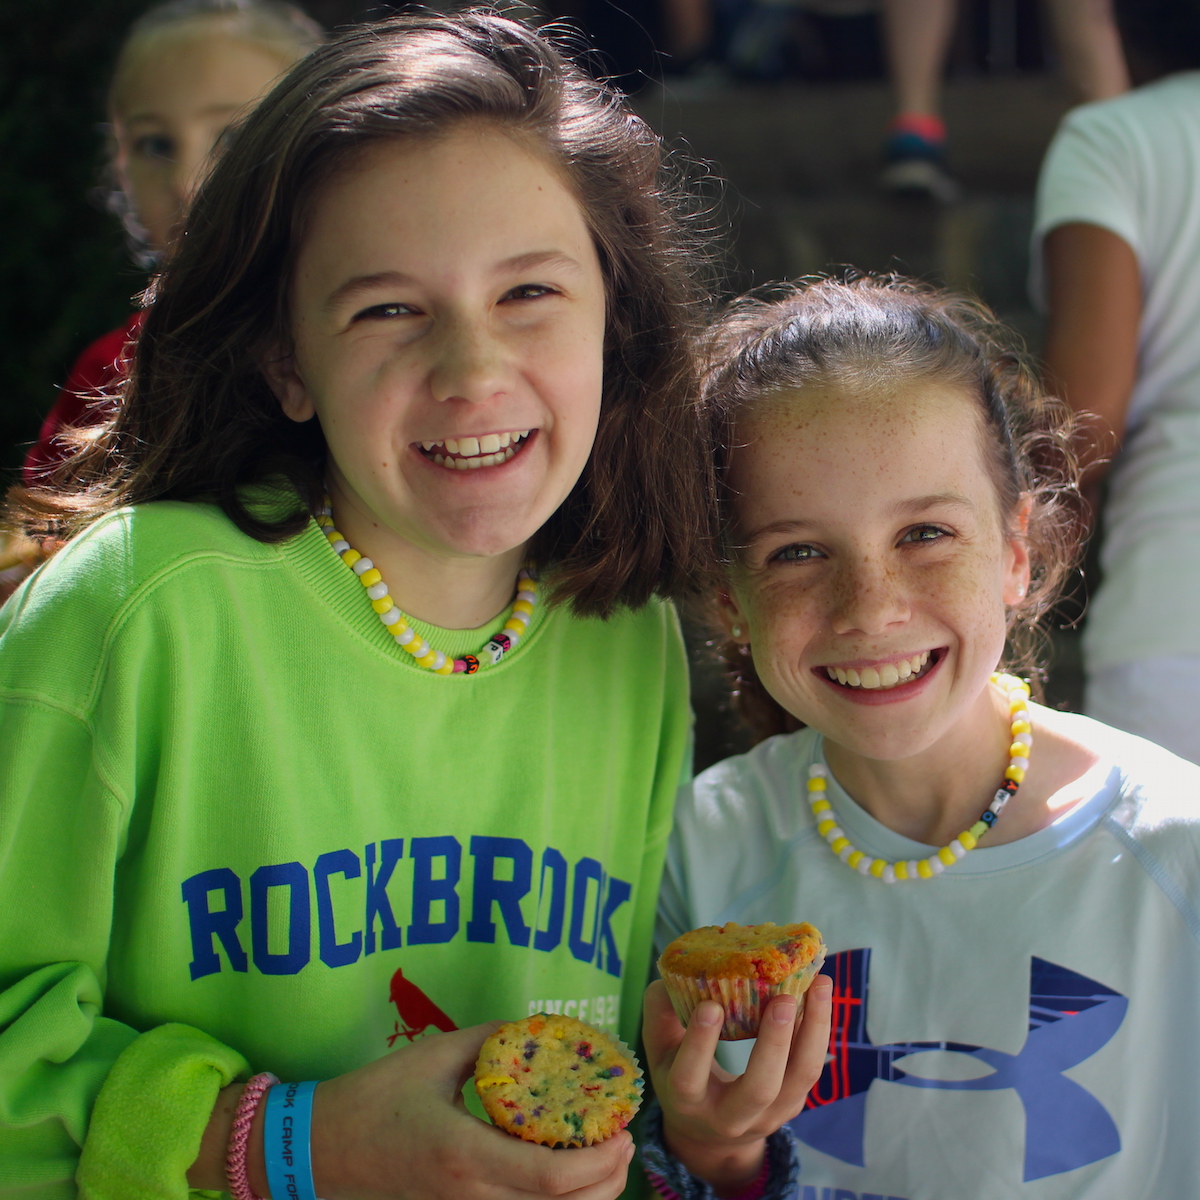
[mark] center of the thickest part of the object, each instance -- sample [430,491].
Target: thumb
[662,1031]
[450,1057]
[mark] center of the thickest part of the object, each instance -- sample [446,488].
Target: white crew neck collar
[1100,786]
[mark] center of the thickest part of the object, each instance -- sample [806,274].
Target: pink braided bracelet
[239,1135]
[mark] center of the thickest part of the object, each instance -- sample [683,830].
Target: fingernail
[784,1010]
[629,1151]
[709,1013]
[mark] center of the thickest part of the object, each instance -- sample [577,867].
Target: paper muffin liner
[743,999]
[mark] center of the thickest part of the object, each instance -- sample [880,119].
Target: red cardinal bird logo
[417,1011]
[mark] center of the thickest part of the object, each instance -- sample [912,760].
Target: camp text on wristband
[287,1136]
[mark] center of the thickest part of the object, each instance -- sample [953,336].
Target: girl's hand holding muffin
[716,1123]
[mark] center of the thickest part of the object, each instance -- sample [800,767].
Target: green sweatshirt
[241,830]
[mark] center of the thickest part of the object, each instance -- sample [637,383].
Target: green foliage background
[65,276]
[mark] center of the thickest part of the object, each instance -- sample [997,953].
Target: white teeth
[490,450]
[886,676]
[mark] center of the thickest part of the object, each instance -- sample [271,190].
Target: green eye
[925,534]
[800,553]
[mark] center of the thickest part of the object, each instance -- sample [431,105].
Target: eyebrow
[920,504]
[518,263]
[905,508]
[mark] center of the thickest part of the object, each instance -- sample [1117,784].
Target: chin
[485,543]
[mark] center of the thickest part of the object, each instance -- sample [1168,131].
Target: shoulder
[650,629]
[760,783]
[1156,816]
[65,615]
[1155,112]
[96,365]
[1158,793]
[129,550]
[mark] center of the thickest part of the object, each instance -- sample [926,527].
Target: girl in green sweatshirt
[351,712]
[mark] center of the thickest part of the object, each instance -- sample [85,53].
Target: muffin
[741,967]
[558,1081]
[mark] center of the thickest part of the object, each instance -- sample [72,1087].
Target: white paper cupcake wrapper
[741,998]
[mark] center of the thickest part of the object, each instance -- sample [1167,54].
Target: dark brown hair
[197,418]
[864,331]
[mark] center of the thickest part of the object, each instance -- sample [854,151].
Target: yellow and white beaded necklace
[397,624]
[926,868]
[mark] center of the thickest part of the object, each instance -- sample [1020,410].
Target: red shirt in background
[82,402]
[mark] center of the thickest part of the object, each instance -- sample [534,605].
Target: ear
[283,378]
[1017,574]
[732,618]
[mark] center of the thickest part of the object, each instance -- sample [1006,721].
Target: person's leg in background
[1089,48]
[917,35]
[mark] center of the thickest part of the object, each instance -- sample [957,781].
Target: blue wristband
[287,1137]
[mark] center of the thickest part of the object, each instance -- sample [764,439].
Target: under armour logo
[1070,1018]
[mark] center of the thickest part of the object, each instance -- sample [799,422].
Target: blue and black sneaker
[914,159]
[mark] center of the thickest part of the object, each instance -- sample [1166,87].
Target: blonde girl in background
[185,73]
[351,713]
[1010,894]
[187,70]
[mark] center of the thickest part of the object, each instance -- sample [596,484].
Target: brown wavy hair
[866,330]
[196,418]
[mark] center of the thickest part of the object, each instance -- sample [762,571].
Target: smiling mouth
[471,453]
[886,675]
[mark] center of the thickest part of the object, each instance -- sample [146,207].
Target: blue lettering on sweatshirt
[579,900]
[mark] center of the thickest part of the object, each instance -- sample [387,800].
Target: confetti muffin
[557,1081]
[741,967]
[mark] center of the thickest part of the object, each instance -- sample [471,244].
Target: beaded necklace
[948,855]
[397,624]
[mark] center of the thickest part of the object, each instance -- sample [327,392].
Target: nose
[869,598]
[187,174]
[469,362]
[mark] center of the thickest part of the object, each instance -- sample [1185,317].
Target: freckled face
[448,316]
[876,565]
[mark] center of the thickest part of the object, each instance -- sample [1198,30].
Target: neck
[450,591]
[933,796]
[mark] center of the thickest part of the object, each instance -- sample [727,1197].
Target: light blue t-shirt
[1022,1027]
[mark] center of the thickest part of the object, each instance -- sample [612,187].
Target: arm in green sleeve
[73,1082]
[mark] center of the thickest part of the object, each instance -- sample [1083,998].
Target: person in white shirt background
[1116,260]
